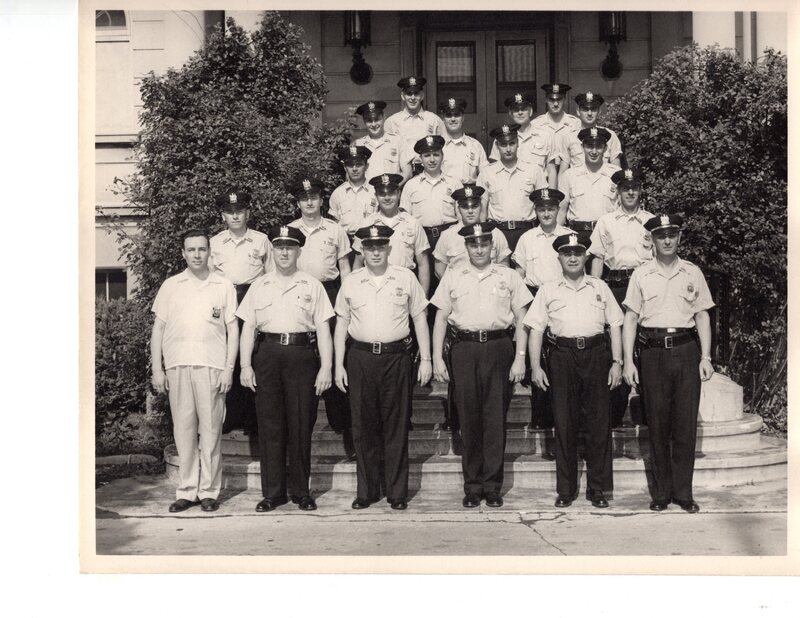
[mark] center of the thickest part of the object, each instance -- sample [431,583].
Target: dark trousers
[286,409]
[240,406]
[619,396]
[580,378]
[337,404]
[671,392]
[482,393]
[541,413]
[380,388]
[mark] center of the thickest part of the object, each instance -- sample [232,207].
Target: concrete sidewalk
[132,519]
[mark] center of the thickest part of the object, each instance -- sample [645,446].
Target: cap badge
[573,239]
[371,106]
[353,151]
[468,191]
[284,231]
[664,219]
[385,179]
[451,103]
[593,131]
[306,185]
[373,232]
[233,198]
[518,98]
[477,230]
[412,81]
[506,129]
[589,97]
[545,194]
[628,174]
[555,88]
[429,140]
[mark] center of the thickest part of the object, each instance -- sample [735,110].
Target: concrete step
[767,462]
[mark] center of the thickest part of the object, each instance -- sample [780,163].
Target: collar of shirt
[458,141]
[298,277]
[638,215]
[480,275]
[369,278]
[583,283]
[392,222]
[247,236]
[509,171]
[384,139]
[187,275]
[310,230]
[538,231]
[406,115]
[355,189]
[430,180]
[652,268]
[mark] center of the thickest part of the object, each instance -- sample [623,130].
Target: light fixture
[612,32]
[357,36]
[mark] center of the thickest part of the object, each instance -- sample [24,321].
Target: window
[455,72]
[110,283]
[516,71]
[111,26]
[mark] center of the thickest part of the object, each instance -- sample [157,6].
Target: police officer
[285,313]
[536,143]
[373,308]
[621,243]
[390,154]
[483,303]
[556,120]
[588,189]
[508,183]
[412,122]
[355,198]
[537,262]
[241,255]
[668,299]
[464,156]
[574,311]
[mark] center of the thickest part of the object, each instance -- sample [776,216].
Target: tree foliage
[244,111]
[710,134]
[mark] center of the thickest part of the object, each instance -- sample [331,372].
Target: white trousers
[197,408]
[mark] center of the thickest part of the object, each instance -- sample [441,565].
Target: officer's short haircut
[194,233]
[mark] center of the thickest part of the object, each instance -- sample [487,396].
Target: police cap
[285,236]
[572,240]
[660,222]
[233,200]
[376,234]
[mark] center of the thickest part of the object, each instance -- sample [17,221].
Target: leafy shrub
[710,134]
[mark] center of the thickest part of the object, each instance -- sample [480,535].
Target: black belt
[481,336]
[623,274]
[378,347]
[578,343]
[665,337]
[513,225]
[304,338]
[436,230]
[581,226]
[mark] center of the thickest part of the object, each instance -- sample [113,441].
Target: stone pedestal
[721,399]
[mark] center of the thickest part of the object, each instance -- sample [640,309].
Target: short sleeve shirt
[413,127]
[241,260]
[388,154]
[569,147]
[574,312]
[535,146]
[295,305]
[379,311]
[428,199]
[509,190]
[407,241]
[350,204]
[481,300]
[546,122]
[451,249]
[621,241]
[589,195]
[463,158]
[196,314]
[535,255]
[325,245]
[668,299]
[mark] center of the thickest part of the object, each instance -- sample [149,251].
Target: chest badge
[216,312]
[690,288]
[599,300]
[398,291]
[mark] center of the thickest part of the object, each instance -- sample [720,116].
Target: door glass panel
[455,72]
[516,71]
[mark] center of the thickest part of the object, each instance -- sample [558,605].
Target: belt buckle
[512,225]
[483,336]
[376,347]
[284,339]
[435,232]
[668,342]
[580,342]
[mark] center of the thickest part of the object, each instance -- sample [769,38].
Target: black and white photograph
[427,289]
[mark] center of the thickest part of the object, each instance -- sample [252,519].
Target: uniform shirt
[408,239]
[451,249]
[464,158]
[569,148]
[621,241]
[536,256]
[428,199]
[567,122]
[296,305]
[571,312]
[350,204]
[413,127]
[388,153]
[325,245]
[589,195]
[509,190]
[535,146]
[668,300]
[195,313]
[481,300]
[379,310]
[241,260]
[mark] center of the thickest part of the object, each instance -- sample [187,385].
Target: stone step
[712,470]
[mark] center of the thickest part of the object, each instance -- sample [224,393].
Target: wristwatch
[618,361]
[706,358]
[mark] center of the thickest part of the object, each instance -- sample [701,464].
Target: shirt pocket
[496,197]
[305,305]
[577,193]
[575,151]
[255,258]
[328,253]
[399,304]
[263,313]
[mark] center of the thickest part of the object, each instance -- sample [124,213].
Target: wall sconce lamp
[357,36]
[612,32]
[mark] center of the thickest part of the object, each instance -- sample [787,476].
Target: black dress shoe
[493,499]
[209,504]
[360,503]
[658,506]
[563,502]
[599,500]
[398,505]
[471,501]
[690,506]
[270,504]
[181,504]
[307,503]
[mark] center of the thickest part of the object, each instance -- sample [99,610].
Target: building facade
[481,56]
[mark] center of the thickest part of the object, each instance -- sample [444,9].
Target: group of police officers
[527,258]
